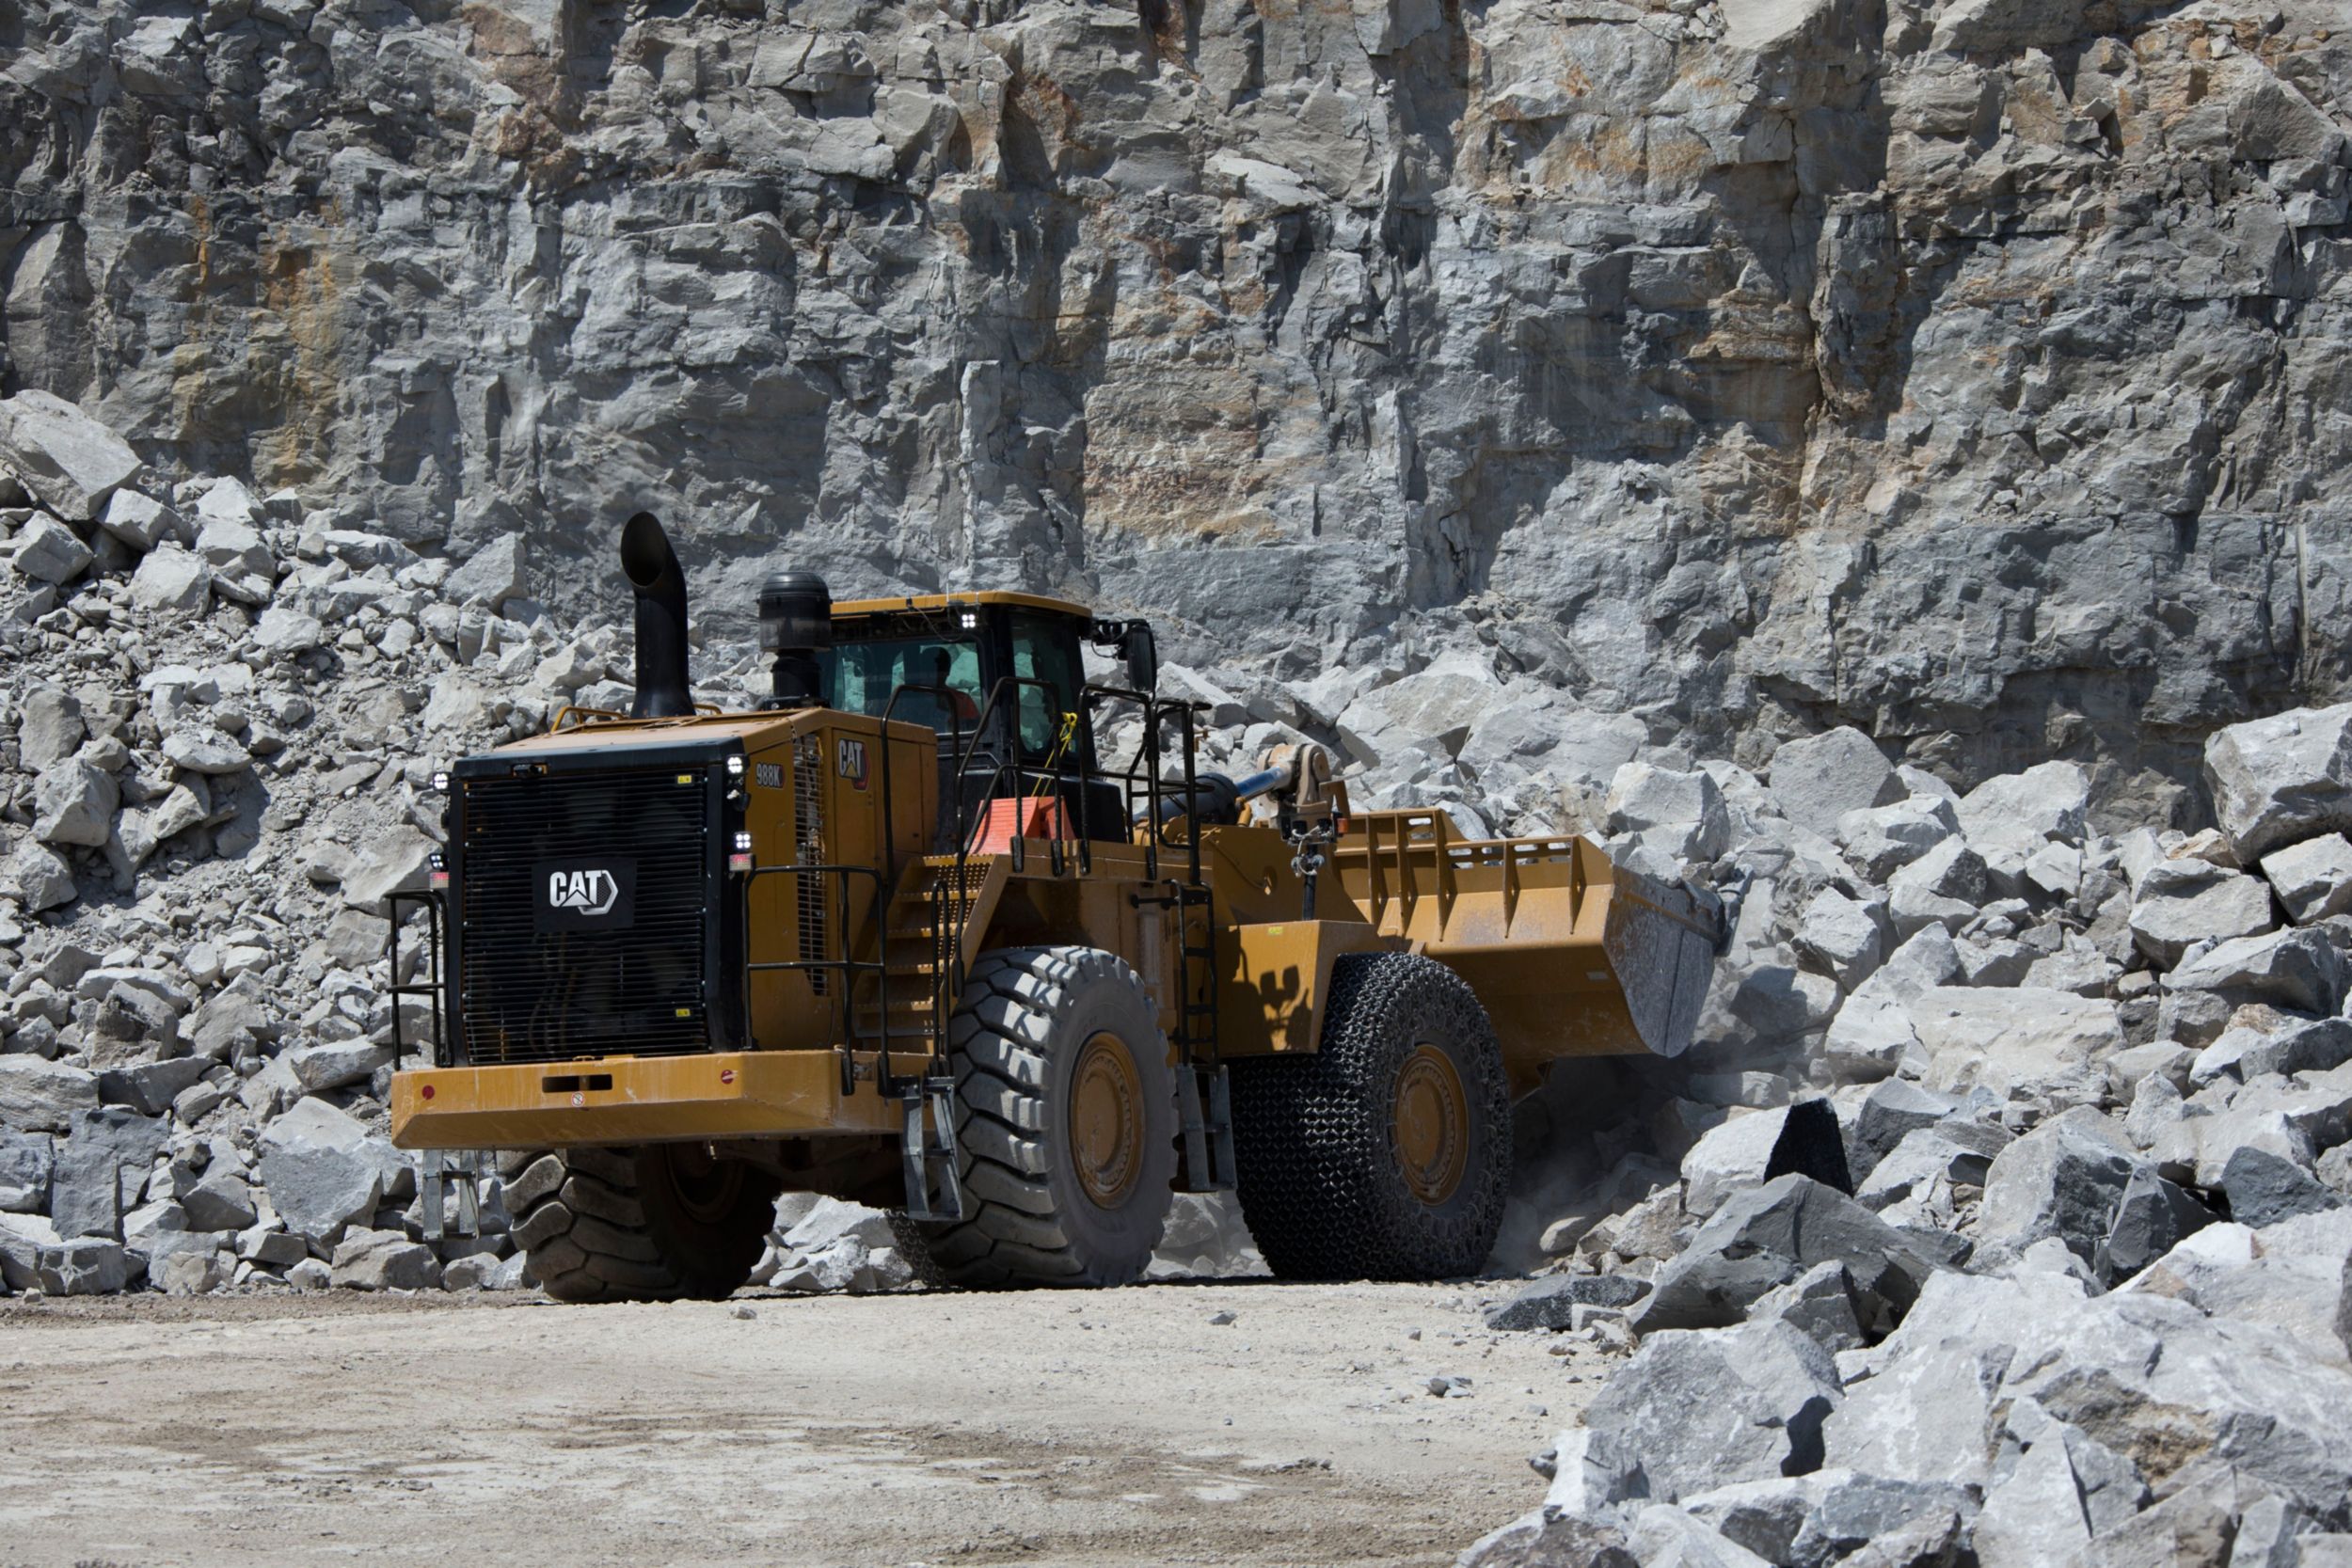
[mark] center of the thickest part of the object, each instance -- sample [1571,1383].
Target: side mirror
[1142,653]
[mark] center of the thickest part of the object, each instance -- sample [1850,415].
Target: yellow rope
[1062,744]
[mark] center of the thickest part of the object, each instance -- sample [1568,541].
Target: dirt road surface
[1098,1429]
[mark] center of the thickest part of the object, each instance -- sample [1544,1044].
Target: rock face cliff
[1971,373]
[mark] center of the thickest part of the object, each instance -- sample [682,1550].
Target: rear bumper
[629,1099]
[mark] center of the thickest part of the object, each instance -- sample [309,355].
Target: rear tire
[1387,1154]
[654,1222]
[1065,1126]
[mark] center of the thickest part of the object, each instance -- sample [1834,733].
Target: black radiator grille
[528,994]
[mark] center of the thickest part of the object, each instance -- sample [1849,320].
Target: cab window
[1046,649]
[861,677]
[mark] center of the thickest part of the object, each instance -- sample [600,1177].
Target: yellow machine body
[1569,954]
[1558,943]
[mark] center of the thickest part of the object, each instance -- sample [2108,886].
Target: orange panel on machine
[1036,817]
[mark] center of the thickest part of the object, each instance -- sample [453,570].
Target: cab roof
[958,601]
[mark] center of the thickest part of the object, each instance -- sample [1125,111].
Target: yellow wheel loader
[907,935]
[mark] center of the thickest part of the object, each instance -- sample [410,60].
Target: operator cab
[998,675]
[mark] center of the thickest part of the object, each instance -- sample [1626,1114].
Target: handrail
[1064,771]
[1157,712]
[585,714]
[433,903]
[953,905]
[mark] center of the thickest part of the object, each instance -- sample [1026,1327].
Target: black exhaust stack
[660,584]
[796,625]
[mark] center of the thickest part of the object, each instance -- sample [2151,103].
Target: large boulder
[2181,902]
[1956,1152]
[85,1266]
[202,749]
[49,728]
[1683,813]
[140,521]
[2292,1118]
[172,579]
[393,860]
[1893,1110]
[37,1096]
[491,576]
[1552,1300]
[1748,1149]
[384,1260]
[101,1167]
[324,1171]
[2065,1179]
[284,631]
[2313,878]
[219,1199]
[2063,1486]
[1550,1538]
[1984,1364]
[2046,803]
[1873,1034]
[1831,1514]
[1728,1159]
[1692,1412]
[74,804]
[334,1063]
[1947,885]
[2264,1188]
[26,1160]
[1767,1237]
[2152,1217]
[2278,780]
[1880,840]
[2299,969]
[1845,936]
[2291,1275]
[2020,1044]
[69,461]
[1576,749]
[2311,1045]
[1817,779]
[45,550]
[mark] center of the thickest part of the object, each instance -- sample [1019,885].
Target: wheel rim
[1106,1120]
[705,1187]
[1431,1121]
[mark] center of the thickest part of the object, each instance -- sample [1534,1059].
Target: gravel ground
[1114,1427]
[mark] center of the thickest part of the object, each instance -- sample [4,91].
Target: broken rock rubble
[2101,1309]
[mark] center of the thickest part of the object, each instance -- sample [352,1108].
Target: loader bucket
[1570,954]
[1661,945]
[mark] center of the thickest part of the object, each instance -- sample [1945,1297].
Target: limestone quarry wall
[1970,372]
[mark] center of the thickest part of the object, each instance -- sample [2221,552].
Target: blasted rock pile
[213,772]
[2082,1290]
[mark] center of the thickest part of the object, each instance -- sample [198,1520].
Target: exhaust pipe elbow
[659,585]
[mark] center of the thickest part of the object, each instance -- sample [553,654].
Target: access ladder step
[439,1172]
[928,1153]
[1208,1128]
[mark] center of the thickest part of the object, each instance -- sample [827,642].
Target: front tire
[1065,1126]
[656,1223]
[1386,1154]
